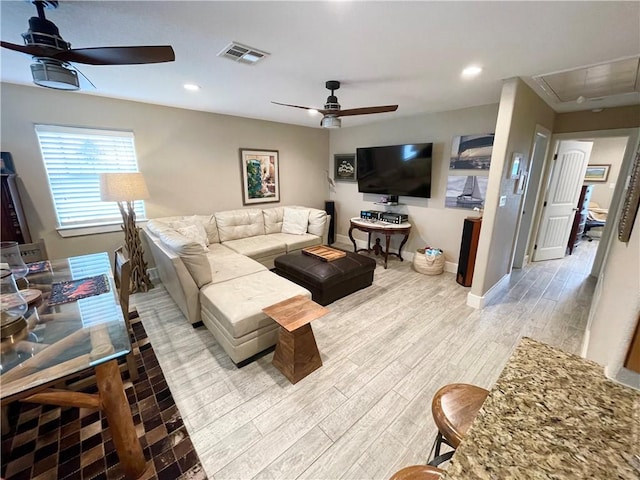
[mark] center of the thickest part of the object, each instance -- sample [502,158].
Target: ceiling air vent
[243,54]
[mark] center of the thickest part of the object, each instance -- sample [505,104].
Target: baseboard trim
[478,302]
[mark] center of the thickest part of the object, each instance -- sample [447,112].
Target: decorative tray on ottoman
[324,253]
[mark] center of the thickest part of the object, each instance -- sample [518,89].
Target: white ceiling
[405,53]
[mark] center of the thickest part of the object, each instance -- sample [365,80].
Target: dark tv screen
[395,170]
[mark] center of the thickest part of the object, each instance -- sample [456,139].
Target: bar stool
[418,472]
[454,407]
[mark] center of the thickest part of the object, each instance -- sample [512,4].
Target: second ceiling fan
[332,110]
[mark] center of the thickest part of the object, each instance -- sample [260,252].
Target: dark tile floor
[49,442]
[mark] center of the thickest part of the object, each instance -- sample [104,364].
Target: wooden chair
[454,407]
[122,278]
[418,472]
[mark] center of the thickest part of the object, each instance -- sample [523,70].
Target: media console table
[387,229]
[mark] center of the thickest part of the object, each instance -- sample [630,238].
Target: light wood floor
[386,350]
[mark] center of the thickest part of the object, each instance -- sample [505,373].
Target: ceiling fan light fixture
[331,122]
[53,74]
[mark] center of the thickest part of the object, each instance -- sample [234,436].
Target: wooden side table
[296,353]
[387,229]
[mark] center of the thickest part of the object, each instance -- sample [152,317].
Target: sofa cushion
[295,220]
[235,224]
[273,219]
[297,242]
[238,303]
[195,232]
[229,264]
[258,247]
[317,221]
[193,255]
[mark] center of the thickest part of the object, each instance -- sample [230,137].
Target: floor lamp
[125,188]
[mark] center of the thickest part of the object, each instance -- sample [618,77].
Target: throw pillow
[295,220]
[195,233]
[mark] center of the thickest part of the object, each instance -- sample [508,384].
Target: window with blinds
[74,158]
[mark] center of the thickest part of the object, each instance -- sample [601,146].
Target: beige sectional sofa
[217,268]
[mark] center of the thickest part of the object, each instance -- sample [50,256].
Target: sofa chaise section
[216,269]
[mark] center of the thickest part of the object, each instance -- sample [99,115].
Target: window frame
[89,227]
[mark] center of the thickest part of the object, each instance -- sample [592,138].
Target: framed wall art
[517,159]
[260,176]
[631,203]
[344,167]
[597,173]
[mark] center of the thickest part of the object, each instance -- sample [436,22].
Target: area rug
[49,442]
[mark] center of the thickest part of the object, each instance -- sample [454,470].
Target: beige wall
[190,159]
[521,109]
[609,118]
[615,314]
[607,151]
[433,224]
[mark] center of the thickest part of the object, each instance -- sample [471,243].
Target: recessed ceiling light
[313,111]
[471,71]
[192,87]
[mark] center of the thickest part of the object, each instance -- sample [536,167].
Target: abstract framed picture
[344,167]
[260,176]
[597,173]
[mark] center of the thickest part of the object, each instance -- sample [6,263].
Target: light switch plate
[503,200]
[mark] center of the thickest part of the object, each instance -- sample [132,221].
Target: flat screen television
[395,170]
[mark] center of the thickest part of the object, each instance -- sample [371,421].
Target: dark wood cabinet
[468,249]
[580,220]
[12,219]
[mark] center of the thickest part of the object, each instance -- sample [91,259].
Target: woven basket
[434,265]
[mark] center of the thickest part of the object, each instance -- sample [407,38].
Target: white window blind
[74,159]
[97,309]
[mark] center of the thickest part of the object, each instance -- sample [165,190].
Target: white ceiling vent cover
[243,54]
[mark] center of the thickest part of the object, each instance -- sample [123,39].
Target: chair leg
[438,458]
[435,448]
[132,367]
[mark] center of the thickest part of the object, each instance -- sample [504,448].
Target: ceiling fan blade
[118,55]
[298,106]
[33,50]
[366,110]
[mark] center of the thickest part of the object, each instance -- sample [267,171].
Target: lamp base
[140,281]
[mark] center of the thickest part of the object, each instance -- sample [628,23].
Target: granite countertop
[551,415]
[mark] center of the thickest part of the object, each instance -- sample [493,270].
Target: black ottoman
[327,281]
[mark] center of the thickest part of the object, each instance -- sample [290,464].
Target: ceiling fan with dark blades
[53,55]
[332,111]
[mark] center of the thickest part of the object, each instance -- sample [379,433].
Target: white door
[559,210]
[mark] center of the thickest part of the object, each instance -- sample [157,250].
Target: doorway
[537,191]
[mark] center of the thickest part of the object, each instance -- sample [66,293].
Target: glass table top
[66,338]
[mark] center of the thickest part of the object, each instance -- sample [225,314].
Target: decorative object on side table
[260,176]
[345,167]
[124,188]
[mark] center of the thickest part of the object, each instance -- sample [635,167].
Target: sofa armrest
[175,277]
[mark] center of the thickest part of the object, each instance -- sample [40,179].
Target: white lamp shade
[123,187]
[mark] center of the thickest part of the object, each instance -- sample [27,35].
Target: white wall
[433,224]
[606,151]
[190,159]
[616,312]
